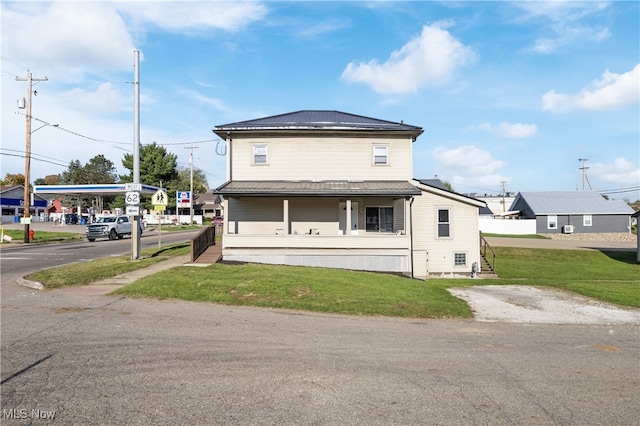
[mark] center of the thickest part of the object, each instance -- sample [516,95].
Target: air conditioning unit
[567,229]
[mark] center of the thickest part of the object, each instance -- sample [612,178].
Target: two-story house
[331,189]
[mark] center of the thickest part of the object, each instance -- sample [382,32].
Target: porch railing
[201,242]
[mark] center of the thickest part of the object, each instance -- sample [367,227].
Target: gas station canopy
[97,189]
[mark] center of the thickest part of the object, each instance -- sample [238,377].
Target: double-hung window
[587,220]
[552,221]
[260,154]
[380,155]
[444,223]
[379,219]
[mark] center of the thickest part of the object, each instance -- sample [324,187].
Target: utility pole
[27,156]
[584,169]
[135,232]
[504,207]
[191,148]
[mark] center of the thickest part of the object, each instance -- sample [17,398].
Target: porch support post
[285,215]
[348,214]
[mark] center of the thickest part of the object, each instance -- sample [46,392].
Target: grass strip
[44,236]
[82,273]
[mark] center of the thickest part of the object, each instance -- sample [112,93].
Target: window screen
[443,223]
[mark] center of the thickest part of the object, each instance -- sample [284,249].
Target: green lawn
[17,235]
[608,276]
[311,289]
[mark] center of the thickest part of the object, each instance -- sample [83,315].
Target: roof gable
[569,202]
[319,120]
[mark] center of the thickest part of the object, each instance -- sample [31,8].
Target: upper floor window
[380,155]
[260,154]
[444,223]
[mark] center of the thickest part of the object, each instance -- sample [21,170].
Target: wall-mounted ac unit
[567,229]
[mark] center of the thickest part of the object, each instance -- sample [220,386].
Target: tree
[183,182]
[97,170]
[157,166]
[48,180]
[448,186]
[13,179]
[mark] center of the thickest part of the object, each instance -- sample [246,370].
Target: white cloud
[469,166]
[429,59]
[66,39]
[511,130]
[564,20]
[611,91]
[105,99]
[621,172]
[192,17]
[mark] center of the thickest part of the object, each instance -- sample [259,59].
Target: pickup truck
[110,227]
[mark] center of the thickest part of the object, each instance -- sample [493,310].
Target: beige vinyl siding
[256,215]
[319,214]
[321,158]
[433,255]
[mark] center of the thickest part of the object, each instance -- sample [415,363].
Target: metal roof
[318,189]
[319,120]
[570,202]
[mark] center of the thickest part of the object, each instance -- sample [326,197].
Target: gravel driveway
[524,304]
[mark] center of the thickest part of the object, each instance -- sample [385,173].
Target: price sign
[132,198]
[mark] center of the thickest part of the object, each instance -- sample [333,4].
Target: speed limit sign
[132,198]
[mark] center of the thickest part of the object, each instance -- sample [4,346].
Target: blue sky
[508,92]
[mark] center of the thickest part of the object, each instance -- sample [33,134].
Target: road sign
[159,198]
[183,199]
[133,187]
[132,198]
[133,210]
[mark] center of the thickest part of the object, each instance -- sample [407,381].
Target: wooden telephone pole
[27,155]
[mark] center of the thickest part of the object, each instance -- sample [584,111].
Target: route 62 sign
[132,198]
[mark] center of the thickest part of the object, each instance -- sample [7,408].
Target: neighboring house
[331,189]
[573,211]
[208,205]
[636,216]
[497,205]
[12,202]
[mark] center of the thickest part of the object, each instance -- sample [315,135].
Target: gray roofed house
[573,211]
[333,189]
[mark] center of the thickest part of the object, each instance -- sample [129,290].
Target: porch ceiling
[318,189]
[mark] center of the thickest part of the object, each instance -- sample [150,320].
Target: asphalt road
[88,359]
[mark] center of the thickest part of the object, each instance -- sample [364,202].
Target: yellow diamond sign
[159,198]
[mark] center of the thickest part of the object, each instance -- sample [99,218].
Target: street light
[27,169]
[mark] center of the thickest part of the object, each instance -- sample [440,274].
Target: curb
[31,284]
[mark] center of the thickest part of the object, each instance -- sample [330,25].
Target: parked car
[110,227]
[218,220]
[71,219]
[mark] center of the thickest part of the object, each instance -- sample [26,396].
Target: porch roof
[318,189]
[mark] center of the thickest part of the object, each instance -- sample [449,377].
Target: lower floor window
[460,259]
[379,219]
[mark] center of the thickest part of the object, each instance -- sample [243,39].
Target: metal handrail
[484,245]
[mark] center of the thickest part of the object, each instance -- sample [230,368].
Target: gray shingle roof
[318,120]
[318,189]
[570,202]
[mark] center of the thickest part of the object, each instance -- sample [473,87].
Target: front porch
[360,233]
